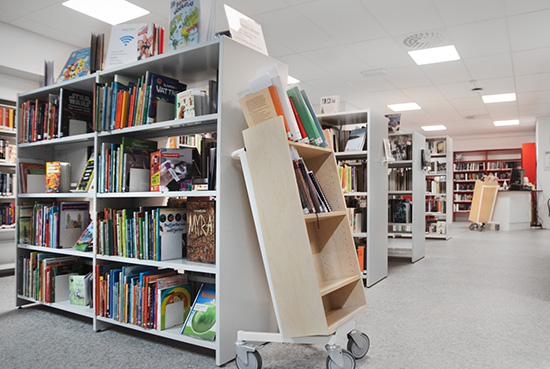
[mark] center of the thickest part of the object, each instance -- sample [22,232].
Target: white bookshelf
[373,234]
[407,180]
[238,272]
[439,193]
[7,233]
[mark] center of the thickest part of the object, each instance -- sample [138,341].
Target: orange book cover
[118,110]
[361,257]
[53,173]
[124,113]
[278,106]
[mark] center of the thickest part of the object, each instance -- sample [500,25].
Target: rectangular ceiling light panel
[489,99]
[500,123]
[109,11]
[434,55]
[439,127]
[404,107]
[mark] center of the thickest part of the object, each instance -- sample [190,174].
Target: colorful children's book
[85,241]
[77,290]
[77,65]
[173,301]
[162,97]
[86,179]
[74,218]
[184,24]
[201,321]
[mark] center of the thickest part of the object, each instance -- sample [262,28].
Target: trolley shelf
[332,285]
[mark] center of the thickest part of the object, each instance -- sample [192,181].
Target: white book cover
[129,43]
[74,217]
[172,228]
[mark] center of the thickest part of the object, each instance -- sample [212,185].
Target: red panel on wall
[529,161]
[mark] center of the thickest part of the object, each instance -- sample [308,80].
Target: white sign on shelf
[245,30]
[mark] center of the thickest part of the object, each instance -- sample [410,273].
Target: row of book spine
[7,213]
[436,206]
[492,165]
[400,179]
[436,185]
[353,177]
[312,196]
[468,176]
[469,166]
[7,118]
[37,274]
[6,184]
[39,224]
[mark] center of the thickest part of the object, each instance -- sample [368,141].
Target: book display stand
[310,261]
[365,200]
[407,197]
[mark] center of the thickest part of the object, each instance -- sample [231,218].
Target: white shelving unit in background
[439,192]
[371,233]
[7,232]
[406,181]
[242,294]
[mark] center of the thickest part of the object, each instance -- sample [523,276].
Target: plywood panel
[285,244]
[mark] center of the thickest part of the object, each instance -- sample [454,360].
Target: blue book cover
[77,65]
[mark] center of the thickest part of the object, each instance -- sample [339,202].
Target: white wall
[25,59]
[543,174]
[503,141]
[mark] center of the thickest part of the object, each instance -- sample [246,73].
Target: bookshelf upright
[7,186]
[238,271]
[365,201]
[406,197]
[439,200]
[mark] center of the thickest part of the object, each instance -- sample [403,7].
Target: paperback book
[77,65]
[201,321]
[184,23]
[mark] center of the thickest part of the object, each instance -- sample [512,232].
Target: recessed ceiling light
[434,55]
[109,11]
[291,80]
[489,99]
[404,107]
[439,127]
[512,122]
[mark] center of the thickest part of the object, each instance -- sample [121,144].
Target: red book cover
[119,98]
[132,107]
[299,121]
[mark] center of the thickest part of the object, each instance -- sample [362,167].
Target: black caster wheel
[359,346]
[349,361]
[254,361]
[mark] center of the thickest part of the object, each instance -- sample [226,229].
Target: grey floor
[479,300]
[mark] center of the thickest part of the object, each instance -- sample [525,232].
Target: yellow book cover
[53,174]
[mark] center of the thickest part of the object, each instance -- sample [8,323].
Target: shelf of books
[357,139]
[472,165]
[439,203]
[155,238]
[8,156]
[406,187]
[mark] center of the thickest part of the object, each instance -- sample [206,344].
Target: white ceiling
[504,47]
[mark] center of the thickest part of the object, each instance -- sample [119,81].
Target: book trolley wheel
[254,361]
[348,361]
[358,344]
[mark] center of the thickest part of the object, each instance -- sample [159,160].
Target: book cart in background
[7,185]
[310,259]
[472,165]
[406,196]
[365,186]
[439,199]
[237,271]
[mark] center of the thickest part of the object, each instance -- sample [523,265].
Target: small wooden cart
[483,205]
[310,260]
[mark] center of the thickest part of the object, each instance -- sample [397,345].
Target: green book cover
[77,290]
[305,116]
[201,321]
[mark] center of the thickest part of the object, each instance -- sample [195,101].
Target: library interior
[275,184]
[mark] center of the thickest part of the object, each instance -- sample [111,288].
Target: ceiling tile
[368,84]
[533,98]
[496,85]
[534,110]
[303,68]
[533,82]
[424,93]
[525,6]
[161,8]
[480,38]
[298,32]
[336,60]
[22,8]
[449,72]
[473,102]
[348,20]
[382,53]
[528,31]
[492,66]
[408,77]
[531,61]
[275,48]
[466,11]
[53,33]
[504,112]
[247,7]
[404,16]
[460,90]
[7,16]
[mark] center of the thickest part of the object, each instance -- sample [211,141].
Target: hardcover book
[201,321]
[76,112]
[184,24]
[86,239]
[162,97]
[77,290]
[86,179]
[173,302]
[172,231]
[201,233]
[356,140]
[77,65]
[74,218]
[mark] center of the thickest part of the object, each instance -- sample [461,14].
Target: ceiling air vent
[425,40]
[477,116]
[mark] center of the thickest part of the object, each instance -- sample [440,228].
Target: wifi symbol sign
[126,39]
